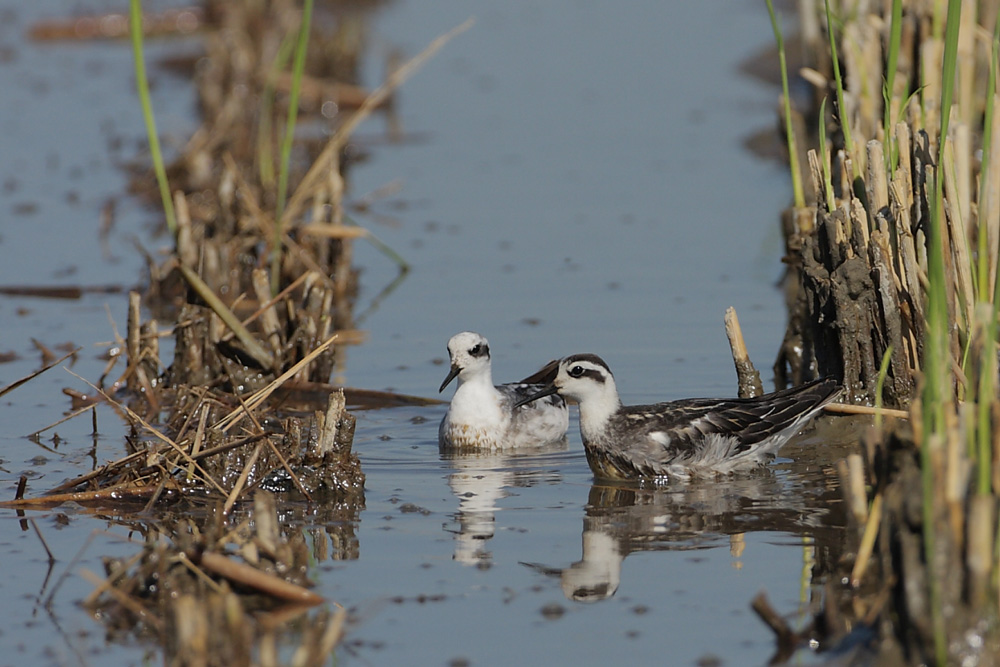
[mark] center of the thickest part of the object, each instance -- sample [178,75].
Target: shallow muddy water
[572,178]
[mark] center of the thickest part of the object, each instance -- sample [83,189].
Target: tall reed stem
[987,382]
[937,390]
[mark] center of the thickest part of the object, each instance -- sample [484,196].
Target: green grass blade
[381,246]
[948,72]
[286,147]
[265,158]
[984,405]
[142,83]
[793,155]
[937,389]
[883,371]
[824,159]
[839,81]
[987,383]
[895,35]
[985,176]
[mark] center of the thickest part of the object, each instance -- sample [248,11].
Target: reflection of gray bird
[598,575]
[621,520]
[484,416]
[680,438]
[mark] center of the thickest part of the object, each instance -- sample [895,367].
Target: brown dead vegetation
[213,593]
[918,582]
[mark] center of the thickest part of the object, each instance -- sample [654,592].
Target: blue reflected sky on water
[583,167]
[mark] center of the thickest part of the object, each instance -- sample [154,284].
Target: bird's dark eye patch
[480,350]
[576,371]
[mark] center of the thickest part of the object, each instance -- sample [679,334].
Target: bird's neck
[597,410]
[480,382]
[476,399]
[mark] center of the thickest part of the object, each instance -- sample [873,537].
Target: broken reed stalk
[114,495]
[847,409]
[852,483]
[786,637]
[246,575]
[242,479]
[72,415]
[747,377]
[872,525]
[825,178]
[31,376]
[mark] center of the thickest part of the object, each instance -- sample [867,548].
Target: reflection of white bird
[478,484]
[484,416]
[480,481]
[696,435]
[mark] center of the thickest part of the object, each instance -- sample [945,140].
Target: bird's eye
[476,350]
[576,371]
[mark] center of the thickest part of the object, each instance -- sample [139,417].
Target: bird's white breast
[476,417]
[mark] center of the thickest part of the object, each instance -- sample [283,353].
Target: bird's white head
[470,358]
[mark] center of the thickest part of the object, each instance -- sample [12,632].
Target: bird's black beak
[548,391]
[452,374]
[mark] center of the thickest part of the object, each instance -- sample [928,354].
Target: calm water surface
[573,179]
